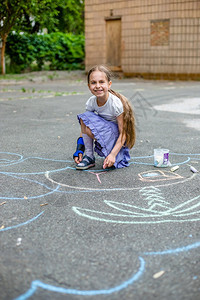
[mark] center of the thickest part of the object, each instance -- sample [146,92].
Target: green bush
[54,51]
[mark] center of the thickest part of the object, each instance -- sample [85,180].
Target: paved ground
[130,234]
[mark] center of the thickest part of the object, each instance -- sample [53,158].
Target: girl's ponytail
[128,120]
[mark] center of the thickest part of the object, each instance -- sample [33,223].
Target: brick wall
[158,37]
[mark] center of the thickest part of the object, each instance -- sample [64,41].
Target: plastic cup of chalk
[161,158]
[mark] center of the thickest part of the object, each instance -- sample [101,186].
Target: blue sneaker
[86,163]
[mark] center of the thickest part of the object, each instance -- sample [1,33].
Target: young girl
[108,120]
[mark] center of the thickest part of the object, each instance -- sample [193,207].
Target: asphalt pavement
[126,234]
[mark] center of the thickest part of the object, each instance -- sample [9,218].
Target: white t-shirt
[109,111]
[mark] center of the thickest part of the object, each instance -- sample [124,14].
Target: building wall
[158,37]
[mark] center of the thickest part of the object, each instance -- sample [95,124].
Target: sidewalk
[125,234]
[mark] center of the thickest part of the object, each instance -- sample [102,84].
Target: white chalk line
[156,213]
[139,212]
[113,189]
[139,215]
[77,211]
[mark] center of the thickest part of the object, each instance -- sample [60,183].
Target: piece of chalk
[193,169]
[174,168]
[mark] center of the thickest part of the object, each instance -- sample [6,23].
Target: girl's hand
[109,161]
[78,158]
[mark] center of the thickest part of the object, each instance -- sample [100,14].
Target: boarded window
[160,33]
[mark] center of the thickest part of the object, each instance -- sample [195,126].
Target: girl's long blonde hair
[128,116]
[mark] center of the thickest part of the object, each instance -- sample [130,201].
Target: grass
[45,75]
[14,77]
[37,93]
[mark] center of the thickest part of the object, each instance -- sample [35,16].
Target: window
[159,32]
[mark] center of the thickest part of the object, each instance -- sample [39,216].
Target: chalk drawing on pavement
[17,180]
[22,224]
[158,175]
[134,278]
[156,209]
[97,175]
[10,160]
[142,216]
[136,187]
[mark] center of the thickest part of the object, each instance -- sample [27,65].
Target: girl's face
[99,85]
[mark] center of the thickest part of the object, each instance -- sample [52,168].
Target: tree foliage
[34,15]
[57,51]
[71,16]
[10,11]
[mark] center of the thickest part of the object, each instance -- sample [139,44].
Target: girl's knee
[89,132]
[85,129]
[83,126]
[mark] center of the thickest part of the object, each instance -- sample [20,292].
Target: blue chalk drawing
[157,210]
[7,162]
[22,159]
[38,284]
[51,288]
[175,251]
[31,181]
[22,224]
